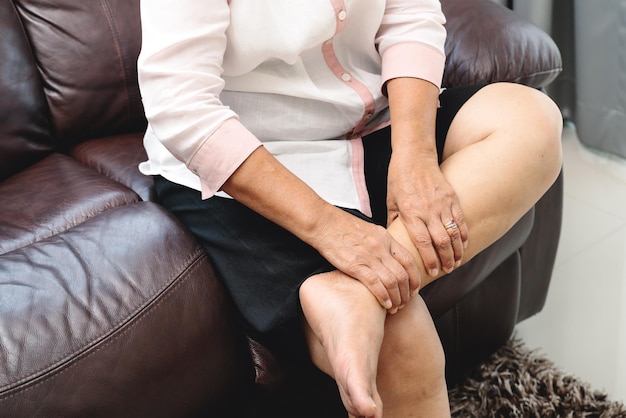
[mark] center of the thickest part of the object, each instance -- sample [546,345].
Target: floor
[582,328]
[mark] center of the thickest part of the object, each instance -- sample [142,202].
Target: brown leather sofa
[108,307]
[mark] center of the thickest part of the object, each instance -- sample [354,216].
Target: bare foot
[346,332]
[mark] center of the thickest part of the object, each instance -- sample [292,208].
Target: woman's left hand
[419,194]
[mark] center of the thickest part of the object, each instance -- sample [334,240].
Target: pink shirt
[304,78]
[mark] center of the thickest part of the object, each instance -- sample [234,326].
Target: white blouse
[304,78]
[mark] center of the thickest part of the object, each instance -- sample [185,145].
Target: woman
[271,130]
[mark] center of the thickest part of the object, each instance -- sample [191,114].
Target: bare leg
[344,328]
[411,368]
[405,366]
[502,153]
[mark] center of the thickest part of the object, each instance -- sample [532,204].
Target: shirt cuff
[221,154]
[412,59]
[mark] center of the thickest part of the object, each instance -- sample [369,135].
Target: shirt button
[346,77]
[342,15]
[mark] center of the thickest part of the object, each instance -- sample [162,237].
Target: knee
[541,122]
[413,348]
[531,123]
[549,129]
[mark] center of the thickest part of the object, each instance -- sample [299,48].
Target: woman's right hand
[368,253]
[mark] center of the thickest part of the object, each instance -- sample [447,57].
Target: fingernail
[415,292]
[457,264]
[434,272]
[388,304]
[464,244]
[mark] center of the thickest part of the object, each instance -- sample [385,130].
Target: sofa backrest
[68,68]
[67,74]
[25,135]
[86,52]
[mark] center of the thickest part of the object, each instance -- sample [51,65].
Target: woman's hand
[421,197]
[360,249]
[368,253]
[417,192]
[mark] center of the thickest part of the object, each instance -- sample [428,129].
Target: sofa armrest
[488,42]
[121,315]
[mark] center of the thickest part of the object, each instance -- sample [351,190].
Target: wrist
[407,159]
[414,147]
[319,224]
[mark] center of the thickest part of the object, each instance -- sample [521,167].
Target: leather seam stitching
[92,347]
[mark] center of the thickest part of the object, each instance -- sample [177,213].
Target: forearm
[413,106]
[267,187]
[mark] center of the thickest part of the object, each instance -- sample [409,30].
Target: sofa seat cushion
[52,196]
[118,158]
[118,316]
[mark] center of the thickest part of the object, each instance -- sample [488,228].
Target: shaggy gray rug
[519,382]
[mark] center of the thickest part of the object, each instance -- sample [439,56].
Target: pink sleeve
[180,78]
[411,40]
[233,143]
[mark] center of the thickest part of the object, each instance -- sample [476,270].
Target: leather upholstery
[107,305]
[24,127]
[539,251]
[97,325]
[498,47]
[87,53]
[52,196]
[116,157]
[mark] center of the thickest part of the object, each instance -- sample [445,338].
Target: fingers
[425,245]
[440,243]
[404,281]
[447,243]
[389,288]
[459,218]
[393,279]
[453,231]
[381,287]
[368,253]
[458,232]
[406,260]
